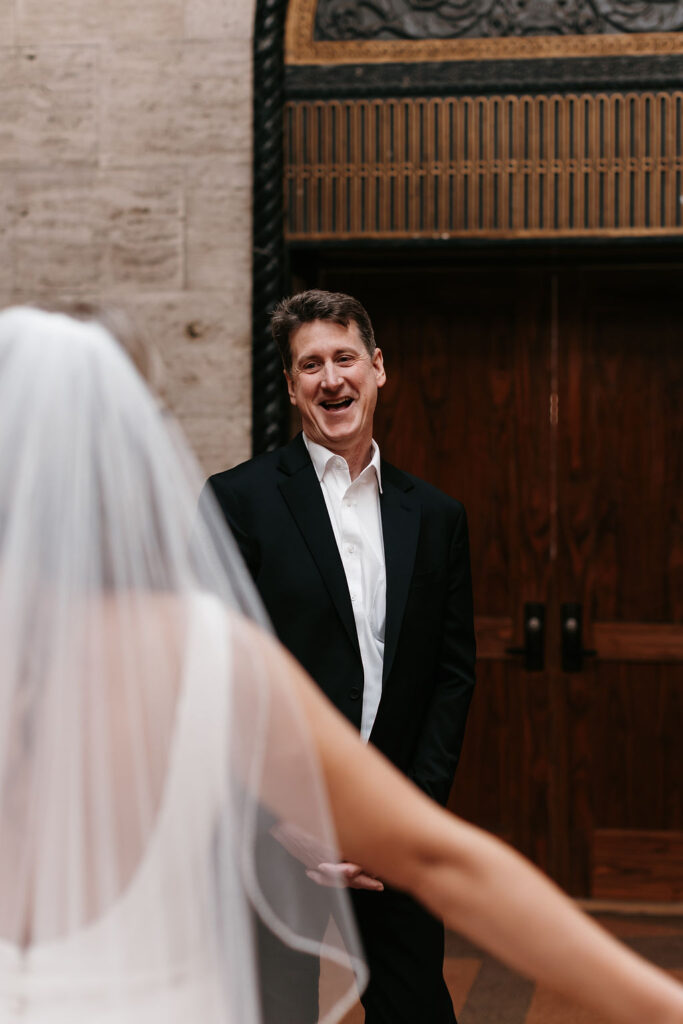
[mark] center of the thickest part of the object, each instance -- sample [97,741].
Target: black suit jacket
[275,507]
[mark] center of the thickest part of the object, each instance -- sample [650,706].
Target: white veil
[160,799]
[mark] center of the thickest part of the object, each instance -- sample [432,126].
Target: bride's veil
[160,798]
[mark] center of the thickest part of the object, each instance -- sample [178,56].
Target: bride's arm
[477,884]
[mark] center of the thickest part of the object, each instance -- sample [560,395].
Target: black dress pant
[288,980]
[404,946]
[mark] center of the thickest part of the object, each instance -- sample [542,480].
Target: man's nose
[331,377]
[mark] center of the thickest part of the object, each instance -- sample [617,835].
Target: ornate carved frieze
[454,19]
[362,31]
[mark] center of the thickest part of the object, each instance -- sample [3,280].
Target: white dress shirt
[353,507]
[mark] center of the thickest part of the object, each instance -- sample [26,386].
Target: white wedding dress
[69,980]
[150,733]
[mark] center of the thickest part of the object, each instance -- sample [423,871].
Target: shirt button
[354,693]
[353,597]
[350,548]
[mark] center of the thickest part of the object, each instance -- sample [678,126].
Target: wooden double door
[549,401]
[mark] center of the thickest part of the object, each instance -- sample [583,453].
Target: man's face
[333,383]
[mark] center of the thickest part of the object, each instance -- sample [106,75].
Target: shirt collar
[321,458]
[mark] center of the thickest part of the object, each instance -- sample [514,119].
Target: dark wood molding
[454,78]
[638,641]
[628,862]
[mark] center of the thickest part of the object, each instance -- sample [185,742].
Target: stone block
[207,361]
[7,217]
[219,19]
[49,111]
[55,241]
[7,23]
[175,103]
[218,224]
[89,21]
[142,229]
[218,443]
[205,345]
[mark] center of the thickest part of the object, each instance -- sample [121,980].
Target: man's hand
[345,875]
[312,854]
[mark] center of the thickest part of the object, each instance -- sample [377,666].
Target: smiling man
[365,573]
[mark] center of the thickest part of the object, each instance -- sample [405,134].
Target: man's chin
[341,428]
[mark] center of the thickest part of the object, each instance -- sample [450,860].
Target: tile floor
[486,992]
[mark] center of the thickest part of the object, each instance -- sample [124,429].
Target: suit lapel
[400,528]
[301,490]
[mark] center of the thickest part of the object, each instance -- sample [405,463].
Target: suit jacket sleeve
[235,516]
[440,740]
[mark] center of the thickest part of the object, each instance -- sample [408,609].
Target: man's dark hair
[315,304]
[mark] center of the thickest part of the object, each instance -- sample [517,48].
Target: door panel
[547,401]
[621,556]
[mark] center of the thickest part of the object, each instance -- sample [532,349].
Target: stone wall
[125,175]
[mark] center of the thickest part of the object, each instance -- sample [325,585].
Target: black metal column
[270,405]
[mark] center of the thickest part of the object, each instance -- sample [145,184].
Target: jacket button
[354,693]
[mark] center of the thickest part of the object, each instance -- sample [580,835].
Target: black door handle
[534,637]
[573,651]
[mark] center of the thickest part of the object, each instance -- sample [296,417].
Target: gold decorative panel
[488,167]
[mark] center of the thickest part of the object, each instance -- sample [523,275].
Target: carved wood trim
[606,165]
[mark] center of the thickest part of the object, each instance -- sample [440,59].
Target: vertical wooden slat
[593,160]
[638,133]
[654,137]
[563,161]
[505,162]
[299,143]
[522,164]
[659,163]
[399,157]
[618,115]
[607,167]
[443,166]
[580,156]
[338,191]
[431,167]
[412,112]
[545,163]
[454,179]
[670,144]
[490,161]
[330,173]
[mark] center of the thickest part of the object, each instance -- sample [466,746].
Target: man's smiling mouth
[340,403]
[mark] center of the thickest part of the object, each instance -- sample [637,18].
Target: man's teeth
[343,403]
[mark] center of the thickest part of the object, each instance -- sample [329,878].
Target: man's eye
[345,359]
[308,367]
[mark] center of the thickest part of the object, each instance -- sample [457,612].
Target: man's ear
[290,387]
[378,363]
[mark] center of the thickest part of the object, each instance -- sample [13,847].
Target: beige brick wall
[125,176]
